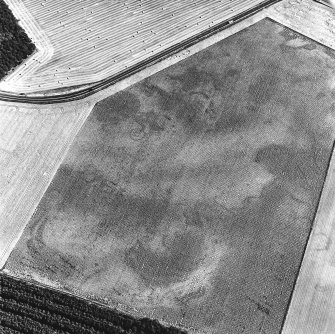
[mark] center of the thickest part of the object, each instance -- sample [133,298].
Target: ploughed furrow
[28,308]
[59,320]
[23,324]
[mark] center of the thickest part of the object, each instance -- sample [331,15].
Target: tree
[15,45]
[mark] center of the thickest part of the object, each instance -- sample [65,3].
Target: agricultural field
[15,45]
[84,41]
[36,309]
[33,141]
[189,197]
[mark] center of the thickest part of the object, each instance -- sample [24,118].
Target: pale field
[84,41]
[33,141]
[313,300]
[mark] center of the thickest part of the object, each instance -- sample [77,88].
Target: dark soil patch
[29,308]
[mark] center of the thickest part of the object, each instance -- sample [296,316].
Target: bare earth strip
[96,39]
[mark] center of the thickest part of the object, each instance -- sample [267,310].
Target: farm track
[132,67]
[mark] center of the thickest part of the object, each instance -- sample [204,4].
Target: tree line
[15,45]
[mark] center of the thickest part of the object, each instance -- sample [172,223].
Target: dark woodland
[15,45]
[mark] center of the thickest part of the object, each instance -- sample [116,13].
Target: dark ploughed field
[189,197]
[28,308]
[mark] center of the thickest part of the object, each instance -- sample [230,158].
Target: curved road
[100,85]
